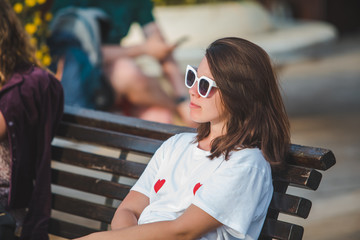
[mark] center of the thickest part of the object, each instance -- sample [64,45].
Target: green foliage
[35,22]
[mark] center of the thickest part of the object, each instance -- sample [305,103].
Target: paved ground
[323,101]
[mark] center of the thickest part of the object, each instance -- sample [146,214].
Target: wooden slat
[280,187]
[311,157]
[68,230]
[300,177]
[275,229]
[120,123]
[109,138]
[91,185]
[289,204]
[97,162]
[82,208]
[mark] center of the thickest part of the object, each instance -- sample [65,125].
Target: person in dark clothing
[31,106]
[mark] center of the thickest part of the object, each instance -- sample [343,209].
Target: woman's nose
[193,90]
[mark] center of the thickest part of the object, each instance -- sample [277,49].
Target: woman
[215,184]
[31,104]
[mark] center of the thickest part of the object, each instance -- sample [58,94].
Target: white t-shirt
[236,192]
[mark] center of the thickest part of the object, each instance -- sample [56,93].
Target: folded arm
[128,213]
[191,225]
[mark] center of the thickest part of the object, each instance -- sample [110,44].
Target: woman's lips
[193,105]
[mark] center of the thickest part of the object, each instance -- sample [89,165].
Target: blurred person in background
[136,93]
[31,105]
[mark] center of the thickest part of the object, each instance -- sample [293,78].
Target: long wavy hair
[16,52]
[250,94]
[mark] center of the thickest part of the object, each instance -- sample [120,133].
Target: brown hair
[16,52]
[250,94]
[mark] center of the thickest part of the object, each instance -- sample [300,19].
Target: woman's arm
[128,213]
[191,225]
[155,43]
[2,127]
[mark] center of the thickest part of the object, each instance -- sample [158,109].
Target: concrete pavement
[323,101]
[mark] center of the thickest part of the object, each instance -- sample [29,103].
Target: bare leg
[149,100]
[156,114]
[128,80]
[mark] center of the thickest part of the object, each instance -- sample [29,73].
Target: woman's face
[208,109]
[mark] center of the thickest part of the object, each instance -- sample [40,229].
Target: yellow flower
[30,3]
[30,28]
[46,60]
[37,21]
[38,54]
[48,16]
[41,1]
[18,7]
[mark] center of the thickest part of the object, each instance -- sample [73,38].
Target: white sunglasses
[205,84]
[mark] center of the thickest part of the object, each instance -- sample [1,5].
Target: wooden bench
[97,157]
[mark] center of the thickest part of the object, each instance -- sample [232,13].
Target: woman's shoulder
[180,139]
[33,76]
[183,137]
[32,85]
[39,74]
[40,80]
[249,157]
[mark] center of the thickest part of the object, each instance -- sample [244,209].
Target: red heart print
[159,184]
[196,187]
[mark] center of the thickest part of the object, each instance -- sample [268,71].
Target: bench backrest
[98,156]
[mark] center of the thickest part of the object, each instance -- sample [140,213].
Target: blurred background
[322,98]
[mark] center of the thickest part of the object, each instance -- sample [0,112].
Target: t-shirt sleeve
[146,180]
[236,195]
[144,13]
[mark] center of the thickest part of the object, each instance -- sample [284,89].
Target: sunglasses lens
[190,78]
[203,86]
